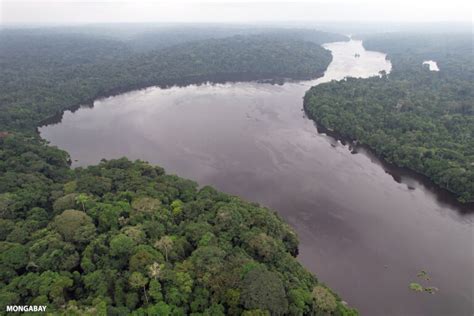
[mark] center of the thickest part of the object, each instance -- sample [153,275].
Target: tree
[155,291]
[54,285]
[120,270]
[136,281]
[155,270]
[143,257]
[82,199]
[161,309]
[14,256]
[146,204]
[263,289]
[324,299]
[71,222]
[8,205]
[263,246]
[177,208]
[184,282]
[164,244]
[121,245]
[66,202]
[94,184]
[300,300]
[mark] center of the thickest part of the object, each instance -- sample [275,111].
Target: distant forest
[43,73]
[124,237]
[413,117]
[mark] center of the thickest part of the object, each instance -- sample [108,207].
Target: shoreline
[442,194]
[192,80]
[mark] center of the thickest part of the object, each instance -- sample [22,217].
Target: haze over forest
[237,157]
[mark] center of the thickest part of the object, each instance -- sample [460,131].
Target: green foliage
[198,264]
[75,226]
[264,290]
[416,287]
[256,312]
[414,118]
[123,237]
[165,244]
[13,256]
[121,245]
[324,299]
[66,202]
[43,74]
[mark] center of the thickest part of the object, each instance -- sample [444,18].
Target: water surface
[432,65]
[366,229]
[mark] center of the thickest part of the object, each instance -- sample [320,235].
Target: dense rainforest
[124,237]
[44,74]
[413,117]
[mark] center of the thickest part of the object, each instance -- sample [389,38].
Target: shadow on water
[402,175]
[366,227]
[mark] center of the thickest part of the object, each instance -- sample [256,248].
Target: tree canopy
[123,237]
[45,73]
[125,249]
[414,117]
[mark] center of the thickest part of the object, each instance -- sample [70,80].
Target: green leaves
[420,288]
[412,118]
[82,199]
[81,241]
[74,226]
[137,280]
[416,287]
[263,289]
[164,244]
[13,256]
[176,250]
[121,245]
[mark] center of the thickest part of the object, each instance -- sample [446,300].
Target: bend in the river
[361,232]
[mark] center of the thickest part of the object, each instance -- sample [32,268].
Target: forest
[43,74]
[124,237]
[413,117]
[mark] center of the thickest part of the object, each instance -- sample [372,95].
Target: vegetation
[417,287]
[123,237]
[43,74]
[414,117]
[169,36]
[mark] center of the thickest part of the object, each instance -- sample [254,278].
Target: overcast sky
[102,11]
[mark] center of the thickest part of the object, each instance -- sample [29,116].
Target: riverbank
[398,172]
[253,140]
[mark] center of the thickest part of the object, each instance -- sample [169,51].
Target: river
[366,228]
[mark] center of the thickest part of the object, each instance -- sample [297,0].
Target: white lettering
[26,308]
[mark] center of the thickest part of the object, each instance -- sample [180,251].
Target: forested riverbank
[352,212]
[123,237]
[44,74]
[413,117]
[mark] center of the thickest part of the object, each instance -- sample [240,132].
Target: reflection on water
[361,232]
[432,65]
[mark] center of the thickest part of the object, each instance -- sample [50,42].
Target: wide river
[366,228]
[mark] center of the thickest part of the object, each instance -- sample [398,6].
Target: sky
[232,11]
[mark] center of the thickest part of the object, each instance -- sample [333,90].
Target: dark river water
[366,229]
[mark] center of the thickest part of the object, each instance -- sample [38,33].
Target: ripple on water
[362,230]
